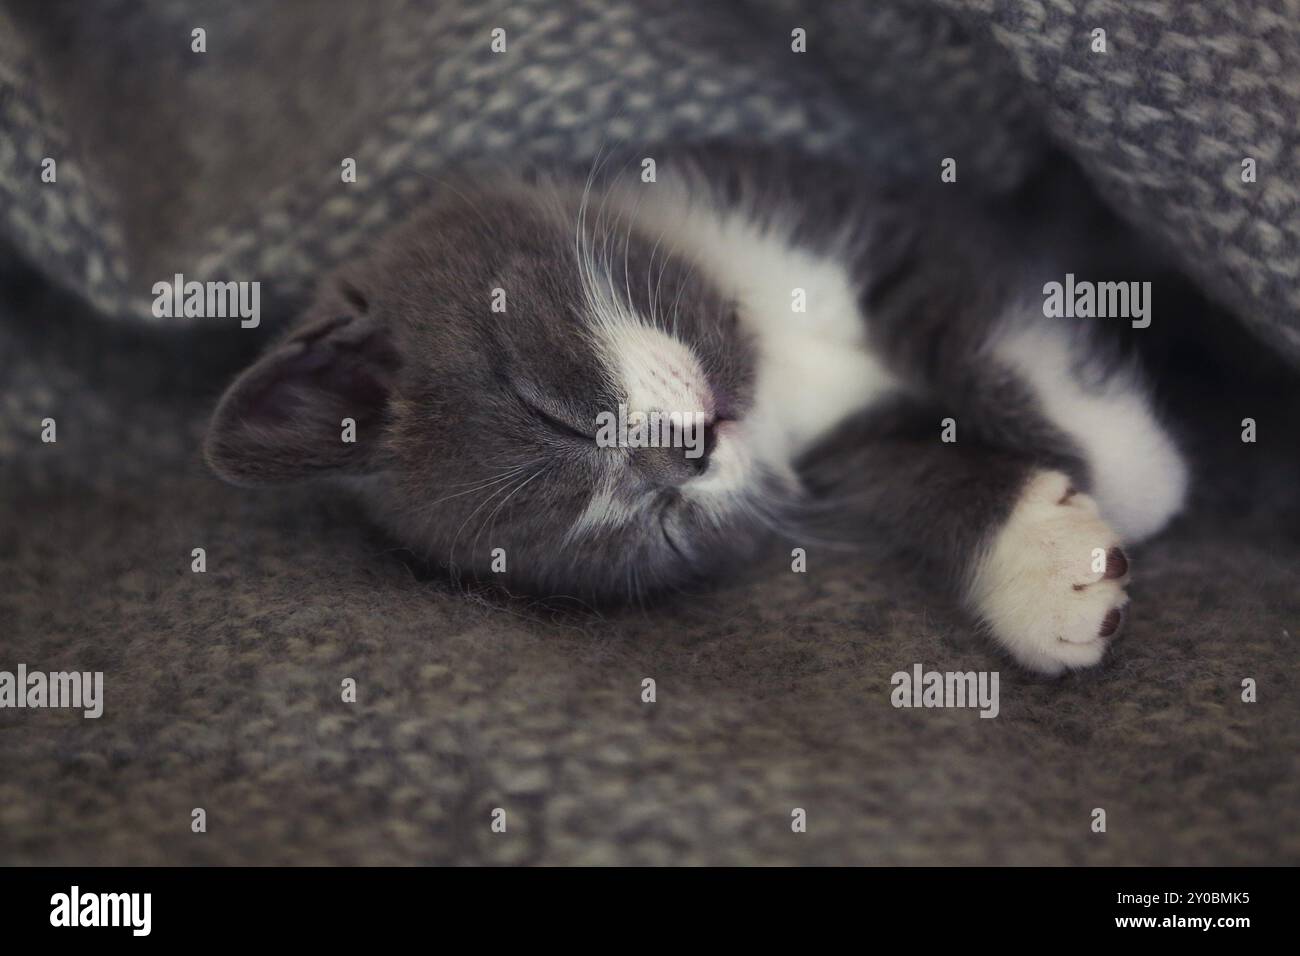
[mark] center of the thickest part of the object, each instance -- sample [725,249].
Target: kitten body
[831,336]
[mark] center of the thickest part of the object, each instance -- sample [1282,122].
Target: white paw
[1045,590]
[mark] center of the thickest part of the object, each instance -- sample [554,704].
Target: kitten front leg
[1026,552]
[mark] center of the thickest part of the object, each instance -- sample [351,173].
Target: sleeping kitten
[476,428]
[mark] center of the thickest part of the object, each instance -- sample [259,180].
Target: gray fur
[483,440]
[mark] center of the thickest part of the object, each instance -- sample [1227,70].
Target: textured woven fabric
[1187,91]
[226,164]
[222,690]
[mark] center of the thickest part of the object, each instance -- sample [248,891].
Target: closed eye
[556,424]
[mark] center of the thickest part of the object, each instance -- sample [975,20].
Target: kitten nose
[708,440]
[682,455]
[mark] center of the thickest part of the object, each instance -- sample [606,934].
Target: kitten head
[480,353]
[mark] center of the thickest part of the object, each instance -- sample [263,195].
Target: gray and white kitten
[476,429]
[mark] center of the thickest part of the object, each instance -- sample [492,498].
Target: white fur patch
[814,367]
[1036,586]
[605,510]
[1139,478]
[656,371]
[730,468]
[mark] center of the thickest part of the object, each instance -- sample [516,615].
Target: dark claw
[1110,624]
[1116,563]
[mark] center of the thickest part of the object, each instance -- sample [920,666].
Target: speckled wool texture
[222,689]
[225,165]
[1187,90]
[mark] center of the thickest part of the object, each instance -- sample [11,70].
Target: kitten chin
[686,543]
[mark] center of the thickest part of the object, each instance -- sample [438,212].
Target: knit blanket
[211,139]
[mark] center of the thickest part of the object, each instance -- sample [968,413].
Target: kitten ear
[283,418]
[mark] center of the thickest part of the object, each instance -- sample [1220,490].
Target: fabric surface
[223,688]
[225,165]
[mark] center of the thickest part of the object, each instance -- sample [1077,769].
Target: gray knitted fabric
[223,689]
[1188,91]
[226,164]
